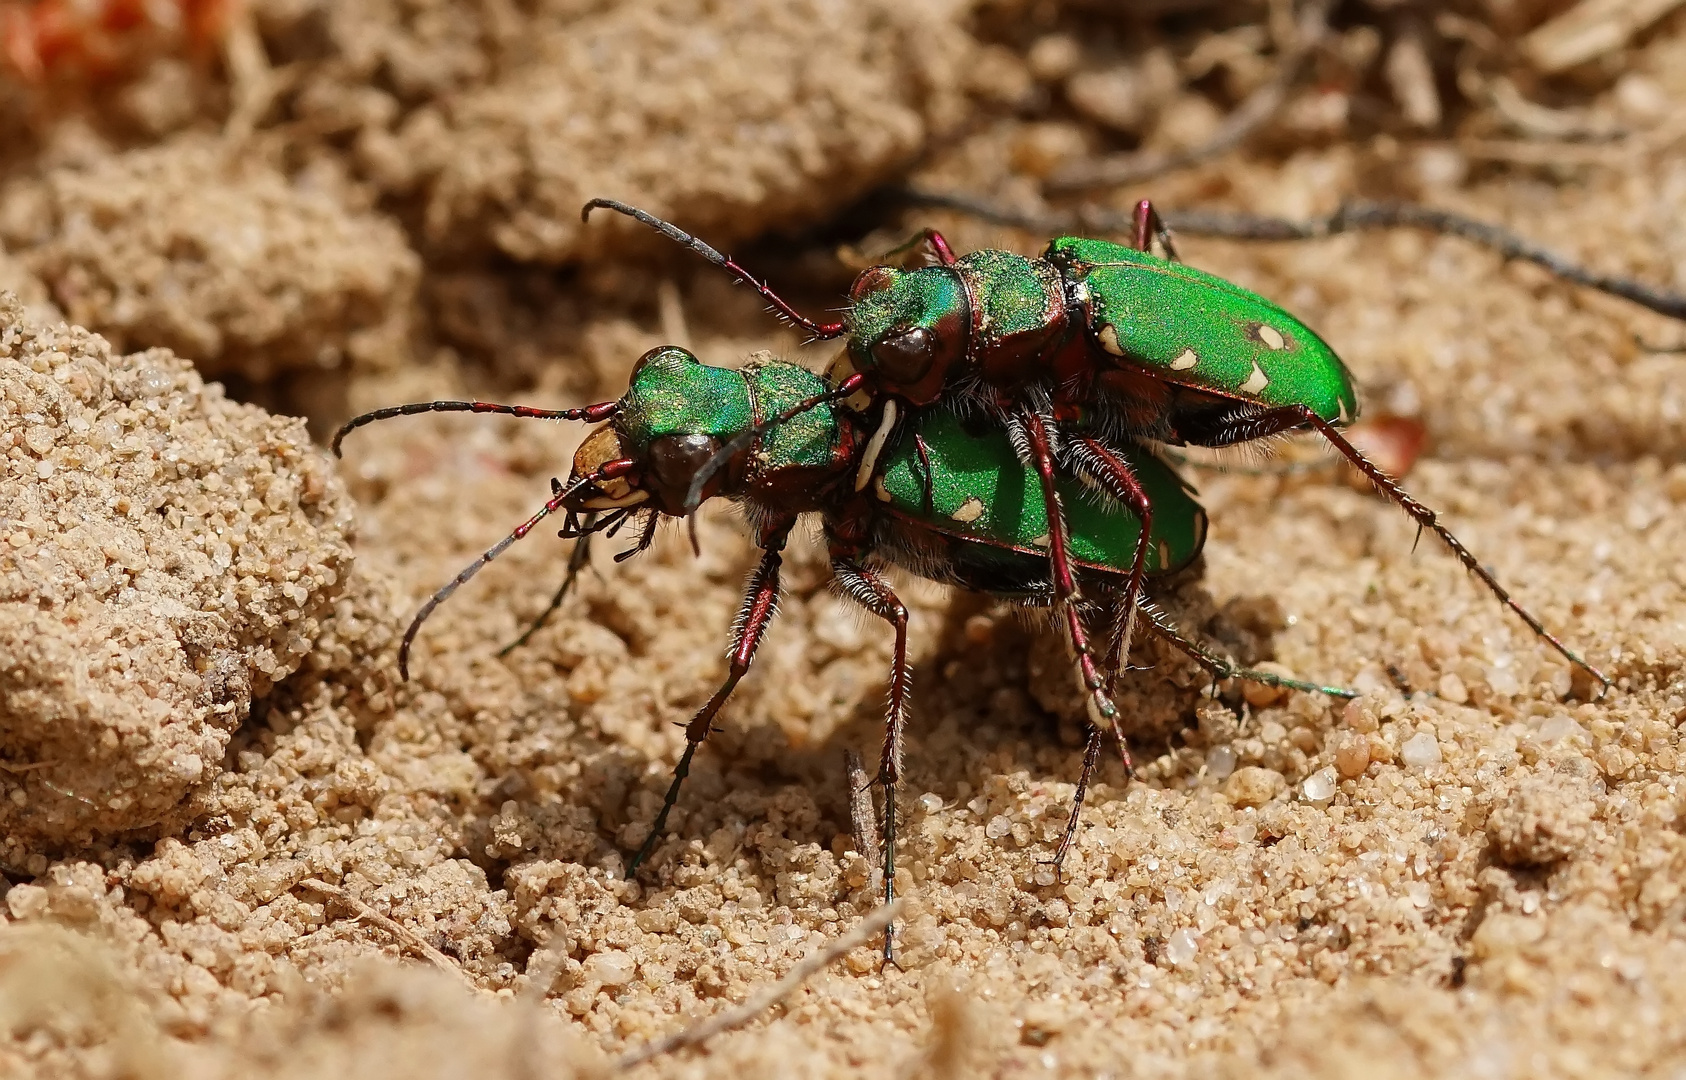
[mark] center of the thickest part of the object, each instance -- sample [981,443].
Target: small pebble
[1320,785]
[1452,689]
[611,968]
[1254,786]
[998,826]
[1220,761]
[1053,57]
[930,802]
[1420,751]
[1352,755]
[1181,946]
[1358,717]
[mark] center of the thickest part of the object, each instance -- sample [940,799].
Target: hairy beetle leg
[760,603]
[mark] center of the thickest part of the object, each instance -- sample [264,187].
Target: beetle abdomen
[971,485]
[1187,326]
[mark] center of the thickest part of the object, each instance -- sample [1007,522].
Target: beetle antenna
[821,331]
[607,471]
[743,440]
[600,411]
[578,560]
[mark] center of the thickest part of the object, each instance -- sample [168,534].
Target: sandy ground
[237,845]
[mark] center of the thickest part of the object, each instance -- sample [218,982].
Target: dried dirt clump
[167,557]
[17,279]
[215,253]
[732,118]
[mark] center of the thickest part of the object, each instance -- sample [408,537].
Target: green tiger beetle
[948,499]
[1094,343]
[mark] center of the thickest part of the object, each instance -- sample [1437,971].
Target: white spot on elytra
[1108,335]
[970,510]
[1272,337]
[1185,360]
[880,490]
[1255,382]
[1164,555]
[1040,541]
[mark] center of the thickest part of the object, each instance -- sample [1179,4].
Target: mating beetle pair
[947,498]
[1005,455]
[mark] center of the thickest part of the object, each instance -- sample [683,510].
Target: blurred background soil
[236,845]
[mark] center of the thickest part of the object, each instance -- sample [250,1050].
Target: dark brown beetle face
[662,478]
[906,356]
[672,464]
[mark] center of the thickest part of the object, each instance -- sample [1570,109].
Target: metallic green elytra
[1191,327]
[969,483]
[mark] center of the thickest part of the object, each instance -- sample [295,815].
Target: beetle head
[676,414]
[908,328]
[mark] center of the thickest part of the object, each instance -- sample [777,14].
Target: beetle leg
[1037,445]
[1221,669]
[862,585]
[559,496]
[760,603]
[1298,417]
[928,498]
[578,559]
[1114,474]
[1148,224]
[936,247]
[1091,756]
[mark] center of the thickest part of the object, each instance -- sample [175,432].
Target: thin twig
[1354,215]
[404,934]
[759,1002]
[1253,113]
[863,816]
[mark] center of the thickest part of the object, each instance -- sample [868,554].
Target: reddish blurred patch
[1393,443]
[105,39]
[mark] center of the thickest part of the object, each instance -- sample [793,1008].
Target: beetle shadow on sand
[994,710]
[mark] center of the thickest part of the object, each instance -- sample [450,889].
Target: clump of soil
[169,555]
[217,255]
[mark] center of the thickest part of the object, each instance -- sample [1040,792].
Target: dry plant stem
[863,817]
[404,934]
[252,78]
[769,996]
[1248,117]
[1353,215]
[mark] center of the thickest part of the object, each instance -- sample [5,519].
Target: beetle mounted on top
[1084,349]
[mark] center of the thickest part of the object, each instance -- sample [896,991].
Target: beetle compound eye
[873,281]
[674,461]
[906,357]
